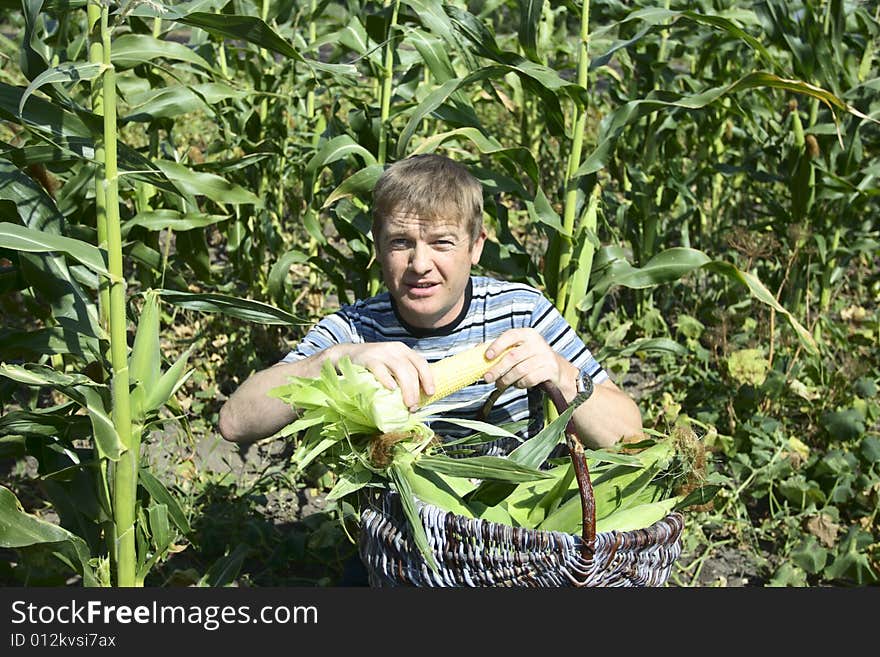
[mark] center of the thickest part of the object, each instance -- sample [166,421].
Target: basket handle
[579,463]
[578,459]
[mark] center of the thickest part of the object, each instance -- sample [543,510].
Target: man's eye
[444,244]
[398,244]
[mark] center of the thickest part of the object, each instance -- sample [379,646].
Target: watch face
[584,383]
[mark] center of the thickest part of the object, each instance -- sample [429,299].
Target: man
[428,233]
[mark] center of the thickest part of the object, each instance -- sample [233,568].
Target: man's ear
[477,247]
[376,249]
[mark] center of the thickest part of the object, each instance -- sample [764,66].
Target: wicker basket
[474,553]
[471,552]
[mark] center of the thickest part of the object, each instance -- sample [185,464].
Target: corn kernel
[456,372]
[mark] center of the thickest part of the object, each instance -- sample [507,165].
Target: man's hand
[250,414]
[395,366]
[530,362]
[602,420]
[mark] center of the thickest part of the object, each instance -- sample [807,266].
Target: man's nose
[420,258]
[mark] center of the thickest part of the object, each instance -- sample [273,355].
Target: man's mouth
[418,290]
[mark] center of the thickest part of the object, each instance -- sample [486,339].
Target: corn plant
[87,329]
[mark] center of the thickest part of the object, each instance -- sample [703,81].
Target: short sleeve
[564,340]
[331,330]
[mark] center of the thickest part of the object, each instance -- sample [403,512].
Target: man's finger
[526,373]
[509,338]
[426,377]
[383,375]
[408,380]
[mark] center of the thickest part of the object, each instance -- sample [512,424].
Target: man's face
[426,266]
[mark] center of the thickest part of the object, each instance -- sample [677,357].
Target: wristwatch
[585,384]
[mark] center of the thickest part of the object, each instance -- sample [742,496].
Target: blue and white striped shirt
[491,307]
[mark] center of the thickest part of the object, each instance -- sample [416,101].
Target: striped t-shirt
[491,307]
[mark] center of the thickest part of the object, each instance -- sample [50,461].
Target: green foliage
[700,173]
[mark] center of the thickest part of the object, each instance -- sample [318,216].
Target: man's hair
[433,187]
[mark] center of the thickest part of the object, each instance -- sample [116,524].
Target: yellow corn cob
[456,372]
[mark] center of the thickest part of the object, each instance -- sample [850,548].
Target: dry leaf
[823,528]
[853,314]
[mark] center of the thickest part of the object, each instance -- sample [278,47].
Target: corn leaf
[160,494]
[20,238]
[529,20]
[19,529]
[398,474]
[132,49]
[156,220]
[32,374]
[482,467]
[533,452]
[485,144]
[332,151]
[637,517]
[247,309]
[483,427]
[67,72]
[674,263]
[212,186]
[257,32]
[360,184]
[280,270]
[350,481]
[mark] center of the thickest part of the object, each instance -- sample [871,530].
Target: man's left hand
[529,362]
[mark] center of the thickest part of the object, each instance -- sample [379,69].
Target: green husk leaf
[531,454]
[350,482]
[432,488]
[498,513]
[482,467]
[637,517]
[398,474]
[702,495]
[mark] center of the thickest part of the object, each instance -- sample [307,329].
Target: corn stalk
[387,79]
[385,109]
[566,294]
[96,55]
[125,471]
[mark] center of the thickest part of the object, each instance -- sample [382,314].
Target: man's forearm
[250,414]
[608,416]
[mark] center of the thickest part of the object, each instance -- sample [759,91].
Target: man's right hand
[250,414]
[394,365]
